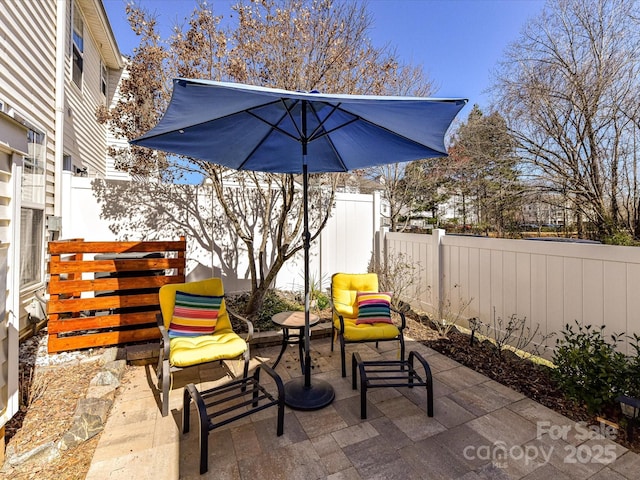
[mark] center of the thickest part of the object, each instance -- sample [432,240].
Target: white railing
[548,283]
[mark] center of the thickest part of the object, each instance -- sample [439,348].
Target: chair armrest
[340,317]
[164,345]
[402,317]
[244,319]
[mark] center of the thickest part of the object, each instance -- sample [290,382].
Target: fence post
[438,273]
[378,233]
[379,251]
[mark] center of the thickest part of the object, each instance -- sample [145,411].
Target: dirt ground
[55,391]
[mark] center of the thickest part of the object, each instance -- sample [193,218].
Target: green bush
[322,300]
[273,303]
[589,368]
[631,386]
[621,238]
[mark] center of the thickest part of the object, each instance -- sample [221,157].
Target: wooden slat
[128,283]
[115,247]
[60,344]
[89,266]
[102,303]
[102,321]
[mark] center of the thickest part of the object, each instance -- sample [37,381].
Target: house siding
[28,70]
[85,139]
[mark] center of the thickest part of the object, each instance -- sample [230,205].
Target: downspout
[61,36]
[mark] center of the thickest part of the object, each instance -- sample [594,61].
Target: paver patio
[480,430]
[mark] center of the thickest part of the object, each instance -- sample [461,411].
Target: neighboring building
[59,61]
[539,212]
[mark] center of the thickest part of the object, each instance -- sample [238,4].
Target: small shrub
[631,385]
[322,301]
[398,275]
[447,319]
[513,333]
[273,303]
[620,238]
[589,368]
[318,298]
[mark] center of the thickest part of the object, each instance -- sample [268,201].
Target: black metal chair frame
[343,342]
[390,373]
[234,390]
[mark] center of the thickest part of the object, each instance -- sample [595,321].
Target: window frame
[104,80]
[32,206]
[77,40]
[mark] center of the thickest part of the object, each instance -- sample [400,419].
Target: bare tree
[569,88]
[292,44]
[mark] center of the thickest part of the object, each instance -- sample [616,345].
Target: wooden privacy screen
[106,293]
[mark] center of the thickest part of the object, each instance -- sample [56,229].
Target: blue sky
[458,42]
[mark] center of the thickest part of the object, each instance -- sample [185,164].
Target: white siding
[28,94]
[116,78]
[85,139]
[27,73]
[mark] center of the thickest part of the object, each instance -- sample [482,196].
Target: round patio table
[293,321]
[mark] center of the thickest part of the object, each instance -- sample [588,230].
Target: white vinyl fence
[345,244]
[549,283]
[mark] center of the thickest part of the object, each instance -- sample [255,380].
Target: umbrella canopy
[261,129]
[270,130]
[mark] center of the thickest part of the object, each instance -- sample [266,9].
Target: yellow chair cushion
[223,344]
[187,351]
[368,331]
[344,290]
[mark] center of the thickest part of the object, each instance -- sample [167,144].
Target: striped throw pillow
[373,307]
[194,315]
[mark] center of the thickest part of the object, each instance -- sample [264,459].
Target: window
[31,236]
[104,76]
[78,46]
[33,170]
[32,211]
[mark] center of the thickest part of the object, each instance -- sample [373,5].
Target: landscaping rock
[42,454]
[117,367]
[109,355]
[107,392]
[89,419]
[110,374]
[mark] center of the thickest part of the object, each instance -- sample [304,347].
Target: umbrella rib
[359,118]
[274,126]
[321,122]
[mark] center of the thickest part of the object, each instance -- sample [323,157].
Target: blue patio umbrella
[279,131]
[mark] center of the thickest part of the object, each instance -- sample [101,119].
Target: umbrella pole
[300,394]
[307,293]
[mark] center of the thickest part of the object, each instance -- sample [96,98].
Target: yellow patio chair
[361,313]
[196,328]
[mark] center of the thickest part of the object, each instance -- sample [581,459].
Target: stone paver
[481,430]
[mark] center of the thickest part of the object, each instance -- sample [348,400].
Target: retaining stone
[42,454]
[107,392]
[88,420]
[109,355]
[110,374]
